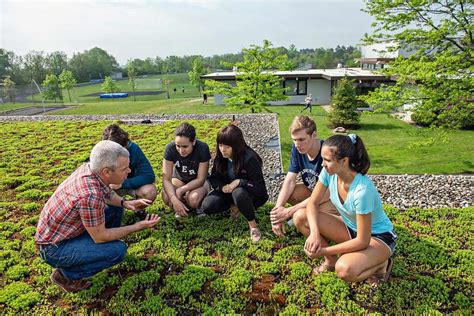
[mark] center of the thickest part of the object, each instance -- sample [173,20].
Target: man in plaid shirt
[78,233]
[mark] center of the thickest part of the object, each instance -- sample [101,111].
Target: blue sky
[139,29]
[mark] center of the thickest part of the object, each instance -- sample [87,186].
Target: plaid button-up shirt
[77,203]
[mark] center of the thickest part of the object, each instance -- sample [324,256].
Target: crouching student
[364,236]
[236,178]
[185,169]
[305,160]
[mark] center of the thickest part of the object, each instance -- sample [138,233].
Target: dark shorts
[388,238]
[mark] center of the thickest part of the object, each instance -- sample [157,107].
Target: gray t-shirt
[186,168]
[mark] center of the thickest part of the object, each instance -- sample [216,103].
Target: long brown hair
[232,136]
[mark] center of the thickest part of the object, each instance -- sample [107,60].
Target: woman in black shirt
[236,178]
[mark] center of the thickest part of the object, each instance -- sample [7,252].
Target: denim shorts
[388,238]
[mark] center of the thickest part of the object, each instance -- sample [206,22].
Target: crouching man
[78,233]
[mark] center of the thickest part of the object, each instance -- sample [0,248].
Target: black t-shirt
[186,168]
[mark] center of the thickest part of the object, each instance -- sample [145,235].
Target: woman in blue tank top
[363,234]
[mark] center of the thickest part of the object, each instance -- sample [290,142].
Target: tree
[132,76]
[108,86]
[256,82]
[437,80]
[196,73]
[343,106]
[9,88]
[92,64]
[51,89]
[67,81]
[56,62]
[35,65]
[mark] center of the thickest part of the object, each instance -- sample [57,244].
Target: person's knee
[118,252]
[345,271]
[194,199]
[240,195]
[300,220]
[147,191]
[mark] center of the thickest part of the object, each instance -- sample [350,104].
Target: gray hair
[105,154]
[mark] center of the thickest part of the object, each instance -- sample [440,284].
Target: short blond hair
[301,122]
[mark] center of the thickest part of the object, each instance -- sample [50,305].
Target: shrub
[343,106]
[18,296]
[191,280]
[17,272]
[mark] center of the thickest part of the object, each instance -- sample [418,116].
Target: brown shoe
[68,285]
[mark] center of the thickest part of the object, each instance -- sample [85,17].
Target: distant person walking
[182,89]
[174,90]
[204,98]
[308,101]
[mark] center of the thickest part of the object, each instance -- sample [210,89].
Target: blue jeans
[81,257]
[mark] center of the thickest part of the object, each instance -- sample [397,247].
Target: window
[295,87]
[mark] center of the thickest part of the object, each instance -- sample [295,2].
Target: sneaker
[68,285]
[255,234]
[200,213]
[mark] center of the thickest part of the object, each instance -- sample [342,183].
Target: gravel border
[401,191]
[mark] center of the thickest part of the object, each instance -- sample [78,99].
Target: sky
[130,29]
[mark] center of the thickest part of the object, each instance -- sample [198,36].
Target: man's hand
[115,186]
[179,207]
[279,214]
[135,205]
[228,188]
[278,229]
[150,221]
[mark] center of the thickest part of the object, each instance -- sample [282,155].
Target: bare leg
[176,183]
[360,265]
[332,228]
[148,191]
[194,197]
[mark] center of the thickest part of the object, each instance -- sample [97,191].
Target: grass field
[208,265]
[150,83]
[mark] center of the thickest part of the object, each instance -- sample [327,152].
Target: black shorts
[388,238]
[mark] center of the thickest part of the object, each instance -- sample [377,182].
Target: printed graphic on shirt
[310,178]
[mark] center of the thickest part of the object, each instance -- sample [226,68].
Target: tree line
[97,63]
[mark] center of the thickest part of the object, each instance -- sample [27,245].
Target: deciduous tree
[256,82]
[51,89]
[109,86]
[9,89]
[196,73]
[67,81]
[132,76]
[438,79]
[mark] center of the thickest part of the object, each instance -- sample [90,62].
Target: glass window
[302,87]
[295,87]
[291,87]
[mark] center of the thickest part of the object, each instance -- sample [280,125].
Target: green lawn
[149,83]
[208,265]
[394,146]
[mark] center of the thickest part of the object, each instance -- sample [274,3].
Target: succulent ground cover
[209,265]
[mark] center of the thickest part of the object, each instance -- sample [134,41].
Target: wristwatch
[122,201]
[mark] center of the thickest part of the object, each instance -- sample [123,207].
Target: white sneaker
[255,234]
